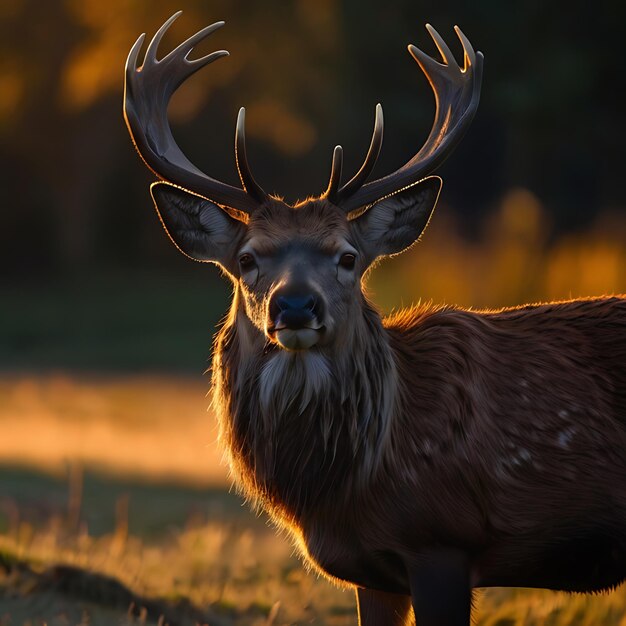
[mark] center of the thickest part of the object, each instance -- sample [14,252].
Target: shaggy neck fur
[301,426]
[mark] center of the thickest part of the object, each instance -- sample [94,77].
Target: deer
[412,457]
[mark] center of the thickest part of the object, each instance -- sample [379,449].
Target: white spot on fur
[565,437]
[427,447]
[519,457]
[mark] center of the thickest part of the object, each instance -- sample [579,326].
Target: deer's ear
[395,223]
[199,228]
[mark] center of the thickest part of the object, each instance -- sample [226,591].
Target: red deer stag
[412,457]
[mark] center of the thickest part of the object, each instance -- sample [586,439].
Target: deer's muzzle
[295,320]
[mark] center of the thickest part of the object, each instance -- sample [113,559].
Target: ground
[115,508]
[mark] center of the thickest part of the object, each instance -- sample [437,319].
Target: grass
[182,552]
[120,321]
[227,570]
[94,531]
[146,426]
[123,484]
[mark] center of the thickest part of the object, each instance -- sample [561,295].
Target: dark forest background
[89,280]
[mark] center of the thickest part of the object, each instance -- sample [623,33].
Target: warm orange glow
[11,93]
[306,72]
[287,130]
[511,263]
[149,427]
[92,68]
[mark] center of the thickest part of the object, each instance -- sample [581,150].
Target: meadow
[115,506]
[143,514]
[115,537]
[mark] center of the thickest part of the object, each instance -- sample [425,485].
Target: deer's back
[515,357]
[516,424]
[588,335]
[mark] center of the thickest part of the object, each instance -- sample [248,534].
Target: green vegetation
[118,321]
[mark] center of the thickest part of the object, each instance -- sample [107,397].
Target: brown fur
[507,440]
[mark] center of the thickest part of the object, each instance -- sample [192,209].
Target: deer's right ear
[396,222]
[199,228]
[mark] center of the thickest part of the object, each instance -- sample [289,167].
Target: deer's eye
[246,262]
[347,261]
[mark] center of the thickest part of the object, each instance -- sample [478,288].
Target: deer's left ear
[394,223]
[199,228]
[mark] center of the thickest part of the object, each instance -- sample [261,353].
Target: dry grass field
[113,492]
[116,509]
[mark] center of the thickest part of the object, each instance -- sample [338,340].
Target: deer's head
[298,268]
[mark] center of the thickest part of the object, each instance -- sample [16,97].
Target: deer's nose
[286,303]
[295,310]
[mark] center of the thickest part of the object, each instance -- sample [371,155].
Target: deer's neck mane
[301,427]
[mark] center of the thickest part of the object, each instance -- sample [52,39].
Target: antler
[457,93]
[147,92]
[338,194]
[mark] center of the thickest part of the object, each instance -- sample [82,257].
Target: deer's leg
[377,608]
[440,589]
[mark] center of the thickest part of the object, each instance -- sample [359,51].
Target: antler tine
[153,46]
[335,175]
[457,93]
[131,60]
[376,143]
[469,56]
[184,49]
[243,168]
[147,92]
[442,46]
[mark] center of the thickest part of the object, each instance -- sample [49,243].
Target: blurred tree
[310,73]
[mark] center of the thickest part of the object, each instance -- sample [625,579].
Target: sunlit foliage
[513,260]
[310,73]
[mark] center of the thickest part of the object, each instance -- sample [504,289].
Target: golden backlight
[61,81]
